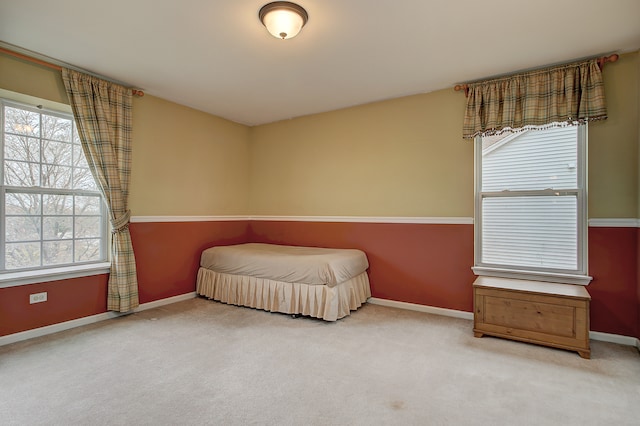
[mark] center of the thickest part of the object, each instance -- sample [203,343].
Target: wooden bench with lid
[538,312]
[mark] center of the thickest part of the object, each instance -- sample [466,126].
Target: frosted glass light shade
[283,19]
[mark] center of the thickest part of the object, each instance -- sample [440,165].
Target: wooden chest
[532,311]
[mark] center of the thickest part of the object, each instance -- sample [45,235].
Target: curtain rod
[601,61]
[28,58]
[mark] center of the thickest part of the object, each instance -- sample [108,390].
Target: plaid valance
[566,94]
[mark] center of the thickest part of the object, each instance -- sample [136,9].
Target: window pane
[540,232]
[56,176]
[88,250]
[531,160]
[79,159]
[22,228]
[57,252]
[19,173]
[88,205]
[21,148]
[22,204]
[57,227]
[57,153]
[22,255]
[21,121]
[56,128]
[76,135]
[57,204]
[83,179]
[87,226]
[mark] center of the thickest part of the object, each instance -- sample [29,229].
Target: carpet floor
[200,362]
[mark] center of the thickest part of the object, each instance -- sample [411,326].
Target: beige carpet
[201,362]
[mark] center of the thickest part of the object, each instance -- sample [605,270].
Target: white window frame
[17,277]
[577,276]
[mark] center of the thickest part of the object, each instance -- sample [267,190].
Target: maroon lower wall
[167,259]
[431,264]
[168,253]
[638,281]
[415,263]
[66,300]
[613,264]
[426,264]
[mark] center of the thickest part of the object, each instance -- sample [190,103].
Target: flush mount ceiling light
[283,19]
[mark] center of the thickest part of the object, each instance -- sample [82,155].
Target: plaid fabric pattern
[569,94]
[102,111]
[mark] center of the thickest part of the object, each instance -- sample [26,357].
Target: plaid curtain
[569,94]
[102,111]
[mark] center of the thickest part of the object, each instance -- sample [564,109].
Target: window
[531,204]
[52,211]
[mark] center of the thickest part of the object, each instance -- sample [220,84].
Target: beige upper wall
[184,162]
[402,157]
[613,144]
[29,79]
[638,167]
[405,157]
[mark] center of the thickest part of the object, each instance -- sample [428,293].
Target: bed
[317,282]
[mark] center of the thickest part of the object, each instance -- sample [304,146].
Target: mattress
[308,265]
[317,282]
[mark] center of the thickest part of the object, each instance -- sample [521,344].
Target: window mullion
[2,189]
[532,193]
[73,228]
[41,142]
[3,221]
[583,262]
[41,231]
[54,191]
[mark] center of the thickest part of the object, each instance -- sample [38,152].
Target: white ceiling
[215,55]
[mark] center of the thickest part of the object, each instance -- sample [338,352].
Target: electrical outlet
[37,297]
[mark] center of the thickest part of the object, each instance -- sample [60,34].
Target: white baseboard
[613,338]
[54,328]
[421,308]
[593,335]
[167,301]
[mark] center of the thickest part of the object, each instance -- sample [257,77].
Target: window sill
[14,279]
[533,275]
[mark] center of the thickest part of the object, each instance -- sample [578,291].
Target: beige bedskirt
[319,301]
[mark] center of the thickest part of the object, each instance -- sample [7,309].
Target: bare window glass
[531,200]
[53,213]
